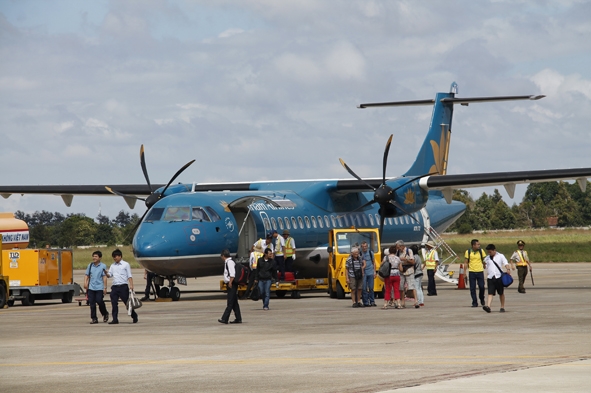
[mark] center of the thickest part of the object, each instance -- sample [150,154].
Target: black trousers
[149,279]
[289,264]
[431,289]
[120,292]
[280,259]
[232,304]
[94,298]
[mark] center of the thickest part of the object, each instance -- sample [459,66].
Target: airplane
[186,226]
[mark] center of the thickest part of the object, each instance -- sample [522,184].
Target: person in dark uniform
[232,303]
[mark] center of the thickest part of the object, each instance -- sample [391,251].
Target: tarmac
[312,344]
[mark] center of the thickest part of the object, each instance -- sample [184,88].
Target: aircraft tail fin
[433,154]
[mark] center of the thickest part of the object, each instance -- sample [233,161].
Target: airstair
[447,256]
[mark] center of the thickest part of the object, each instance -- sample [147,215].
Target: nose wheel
[171,291]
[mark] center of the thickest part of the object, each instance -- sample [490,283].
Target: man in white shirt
[232,303]
[122,283]
[495,262]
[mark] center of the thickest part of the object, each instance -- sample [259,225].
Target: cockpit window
[200,215]
[181,213]
[154,214]
[212,213]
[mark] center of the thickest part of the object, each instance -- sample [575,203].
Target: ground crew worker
[290,251]
[254,257]
[475,265]
[521,258]
[431,263]
[261,245]
[279,245]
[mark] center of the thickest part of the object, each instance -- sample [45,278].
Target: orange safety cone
[462,278]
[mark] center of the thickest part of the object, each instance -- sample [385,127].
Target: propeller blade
[122,194]
[354,174]
[399,206]
[382,218]
[143,163]
[137,224]
[177,175]
[386,151]
[413,179]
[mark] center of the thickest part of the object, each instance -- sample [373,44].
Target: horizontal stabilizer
[451,100]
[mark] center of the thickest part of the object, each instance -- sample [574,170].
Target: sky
[267,90]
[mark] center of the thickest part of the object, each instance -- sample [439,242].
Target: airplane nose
[151,246]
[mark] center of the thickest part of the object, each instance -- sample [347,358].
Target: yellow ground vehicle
[4,283]
[37,274]
[340,242]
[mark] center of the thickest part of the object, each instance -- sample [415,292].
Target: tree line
[564,202]
[57,230]
[544,204]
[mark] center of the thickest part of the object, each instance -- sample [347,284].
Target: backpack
[384,269]
[242,273]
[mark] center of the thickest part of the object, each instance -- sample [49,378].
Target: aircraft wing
[447,183]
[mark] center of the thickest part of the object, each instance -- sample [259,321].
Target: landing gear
[164,291]
[170,291]
[175,294]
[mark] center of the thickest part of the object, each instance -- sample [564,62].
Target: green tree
[77,230]
[565,208]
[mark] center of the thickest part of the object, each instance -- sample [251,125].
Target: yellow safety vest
[430,262]
[257,255]
[522,260]
[289,251]
[278,248]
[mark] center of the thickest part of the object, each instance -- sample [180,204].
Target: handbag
[506,278]
[408,270]
[133,302]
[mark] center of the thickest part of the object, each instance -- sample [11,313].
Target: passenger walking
[521,259]
[475,266]
[232,297]
[252,263]
[419,266]
[392,283]
[367,256]
[355,267]
[265,274]
[407,278]
[495,262]
[431,263]
[95,285]
[122,283]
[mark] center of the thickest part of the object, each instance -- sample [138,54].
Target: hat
[286,232]
[491,247]
[521,243]
[274,232]
[430,244]
[269,235]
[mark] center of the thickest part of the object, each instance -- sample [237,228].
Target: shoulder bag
[506,278]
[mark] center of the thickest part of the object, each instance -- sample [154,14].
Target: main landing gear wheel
[175,294]
[164,292]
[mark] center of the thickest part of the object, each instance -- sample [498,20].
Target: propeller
[384,195]
[154,196]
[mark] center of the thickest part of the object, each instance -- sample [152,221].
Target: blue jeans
[265,291]
[474,278]
[419,288]
[367,294]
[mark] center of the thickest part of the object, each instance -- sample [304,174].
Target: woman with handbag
[392,283]
[355,267]
[407,278]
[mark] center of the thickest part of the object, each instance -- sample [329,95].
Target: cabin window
[371,220]
[340,220]
[320,223]
[301,222]
[390,220]
[274,223]
[334,221]
[212,213]
[200,215]
[294,223]
[267,225]
[346,221]
[364,220]
[406,219]
[287,225]
[280,221]
[326,221]
[181,213]
[377,219]
[307,222]
[395,220]
[155,214]
[313,219]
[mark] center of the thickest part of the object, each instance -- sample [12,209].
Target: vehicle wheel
[175,294]
[10,303]
[280,294]
[67,297]
[164,292]
[29,299]
[2,295]
[296,294]
[340,291]
[331,292]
